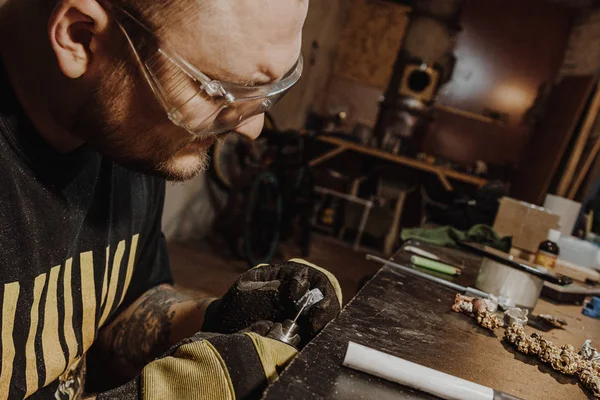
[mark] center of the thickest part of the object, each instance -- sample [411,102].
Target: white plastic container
[521,288]
[568,210]
[579,252]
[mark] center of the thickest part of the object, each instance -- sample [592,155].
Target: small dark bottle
[548,250]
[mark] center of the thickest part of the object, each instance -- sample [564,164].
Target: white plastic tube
[416,376]
[421,252]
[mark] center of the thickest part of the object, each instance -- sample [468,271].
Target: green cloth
[449,236]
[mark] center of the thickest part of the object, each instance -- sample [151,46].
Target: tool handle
[434,265]
[420,252]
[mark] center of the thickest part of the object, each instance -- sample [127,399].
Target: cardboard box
[528,224]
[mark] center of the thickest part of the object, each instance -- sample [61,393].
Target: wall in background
[507,49]
[359,101]
[189,212]
[462,140]
[322,30]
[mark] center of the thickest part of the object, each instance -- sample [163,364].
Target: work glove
[211,366]
[270,292]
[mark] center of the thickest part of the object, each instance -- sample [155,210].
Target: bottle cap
[554,235]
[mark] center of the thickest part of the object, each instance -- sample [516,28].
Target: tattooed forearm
[145,334]
[159,319]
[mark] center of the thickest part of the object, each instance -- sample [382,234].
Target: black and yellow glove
[210,366]
[269,293]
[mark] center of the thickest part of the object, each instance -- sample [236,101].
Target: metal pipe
[347,197]
[439,281]
[363,224]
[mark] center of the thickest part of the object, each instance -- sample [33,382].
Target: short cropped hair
[158,14]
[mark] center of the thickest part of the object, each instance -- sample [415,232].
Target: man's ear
[73,29]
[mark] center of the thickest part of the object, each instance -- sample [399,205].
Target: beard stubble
[122,120]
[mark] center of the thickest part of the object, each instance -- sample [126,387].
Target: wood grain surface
[370,41]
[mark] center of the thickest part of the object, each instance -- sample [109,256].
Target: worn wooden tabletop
[412,318]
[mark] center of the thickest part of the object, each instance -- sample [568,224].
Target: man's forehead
[243,41]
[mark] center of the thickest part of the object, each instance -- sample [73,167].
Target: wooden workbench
[412,318]
[444,174]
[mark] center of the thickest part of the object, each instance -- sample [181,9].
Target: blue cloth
[592,308]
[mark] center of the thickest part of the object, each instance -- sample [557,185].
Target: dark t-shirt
[80,239]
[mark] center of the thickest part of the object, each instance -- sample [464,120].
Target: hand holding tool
[270,293]
[287,332]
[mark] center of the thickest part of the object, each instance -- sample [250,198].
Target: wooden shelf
[443,173]
[467,114]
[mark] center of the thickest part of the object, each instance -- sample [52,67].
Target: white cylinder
[522,288]
[416,376]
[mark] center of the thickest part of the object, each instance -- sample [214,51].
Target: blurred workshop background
[410,114]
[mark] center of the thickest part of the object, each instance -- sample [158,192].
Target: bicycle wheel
[225,161]
[229,156]
[263,219]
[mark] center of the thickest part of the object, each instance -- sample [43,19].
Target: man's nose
[251,127]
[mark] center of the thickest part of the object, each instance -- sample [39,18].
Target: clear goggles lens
[192,100]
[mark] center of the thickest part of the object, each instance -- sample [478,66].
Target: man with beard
[100,102]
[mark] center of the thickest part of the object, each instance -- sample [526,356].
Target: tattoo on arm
[146,333]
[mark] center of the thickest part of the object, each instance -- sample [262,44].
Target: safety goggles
[191,99]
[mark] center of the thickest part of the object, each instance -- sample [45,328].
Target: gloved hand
[211,366]
[268,293]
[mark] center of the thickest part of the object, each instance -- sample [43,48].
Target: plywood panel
[370,41]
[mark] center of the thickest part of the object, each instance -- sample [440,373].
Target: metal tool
[515,263]
[451,285]
[287,331]
[503,302]
[420,252]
